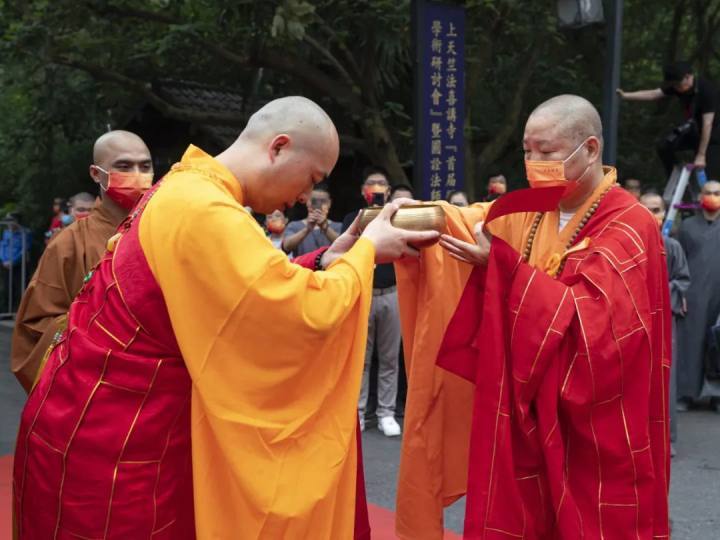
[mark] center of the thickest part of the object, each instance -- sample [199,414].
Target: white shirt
[565,217]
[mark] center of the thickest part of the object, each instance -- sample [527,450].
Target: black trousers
[667,151]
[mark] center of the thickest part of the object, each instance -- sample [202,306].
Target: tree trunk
[677,21]
[494,149]
[473,76]
[379,146]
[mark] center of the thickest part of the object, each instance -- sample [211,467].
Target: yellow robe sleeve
[438,411]
[276,355]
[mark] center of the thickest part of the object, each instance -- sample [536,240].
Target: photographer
[316,230]
[699,132]
[384,321]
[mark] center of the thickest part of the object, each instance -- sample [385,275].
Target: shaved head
[118,151]
[113,143]
[570,116]
[83,196]
[287,147]
[651,200]
[567,129]
[300,118]
[81,204]
[711,186]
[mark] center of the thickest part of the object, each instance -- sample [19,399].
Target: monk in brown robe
[122,167]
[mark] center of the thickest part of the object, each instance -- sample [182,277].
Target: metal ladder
[679,193]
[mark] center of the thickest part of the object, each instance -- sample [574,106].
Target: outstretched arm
[641,95]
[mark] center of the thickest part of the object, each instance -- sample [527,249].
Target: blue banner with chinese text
[440,98]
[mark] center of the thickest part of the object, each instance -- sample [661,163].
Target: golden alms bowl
[414,217]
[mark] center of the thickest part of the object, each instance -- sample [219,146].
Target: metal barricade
[14,289]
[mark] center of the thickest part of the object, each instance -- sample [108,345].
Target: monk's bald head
[301,119]
[567,129]
[113,143]
[711,187]
[82,197]
[287,147]
[569,116]
[119,151]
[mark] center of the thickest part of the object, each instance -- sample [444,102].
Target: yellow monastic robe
[275,353]
[438,413]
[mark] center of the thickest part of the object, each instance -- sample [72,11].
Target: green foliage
[61,60]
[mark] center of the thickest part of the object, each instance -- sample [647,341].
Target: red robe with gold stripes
[570,420]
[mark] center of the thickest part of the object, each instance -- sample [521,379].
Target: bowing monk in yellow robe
[194,332]
[76,249]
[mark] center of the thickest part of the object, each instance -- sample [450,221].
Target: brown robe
[58,278]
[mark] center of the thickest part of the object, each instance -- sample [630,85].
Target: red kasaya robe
[104,446]
[569,434]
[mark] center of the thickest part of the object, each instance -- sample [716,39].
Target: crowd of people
[162,322]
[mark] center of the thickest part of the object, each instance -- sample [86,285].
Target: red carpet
[382,524]
[382,520]
[5,494]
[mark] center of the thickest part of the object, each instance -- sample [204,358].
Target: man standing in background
[14,245]
[275,224]
[700,238]
[384,320]
[496,186]
[401,191]
[679,278]
[81,205]
[458,198]
[699,132]
[316,230]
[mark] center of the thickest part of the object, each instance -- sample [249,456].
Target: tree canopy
[71,68]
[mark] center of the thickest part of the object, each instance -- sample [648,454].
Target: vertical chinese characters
[440,146]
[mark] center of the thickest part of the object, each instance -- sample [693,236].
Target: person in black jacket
[699,132]
[384,323]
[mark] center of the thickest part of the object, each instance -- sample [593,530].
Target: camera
[378,199]
[689,127]
[316,204]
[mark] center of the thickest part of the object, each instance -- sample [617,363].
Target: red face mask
[496,188]
[275,226]
[369,191]
[81,215]
[711,203]
[126,188]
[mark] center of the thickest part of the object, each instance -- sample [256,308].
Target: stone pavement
[694,496]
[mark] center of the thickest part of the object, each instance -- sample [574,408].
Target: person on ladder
[699,132]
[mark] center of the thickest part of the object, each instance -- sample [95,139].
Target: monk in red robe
[195,333]
[564,330]
[121,164]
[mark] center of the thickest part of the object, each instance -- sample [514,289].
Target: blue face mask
[66,219]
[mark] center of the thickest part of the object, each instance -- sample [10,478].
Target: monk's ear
[97,175]
[279,143]
[594,149]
